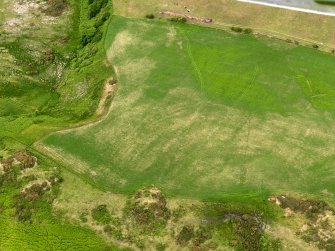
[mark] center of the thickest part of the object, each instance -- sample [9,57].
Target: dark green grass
[211,115]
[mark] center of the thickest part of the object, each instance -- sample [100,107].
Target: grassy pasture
[230,12]
[208,114]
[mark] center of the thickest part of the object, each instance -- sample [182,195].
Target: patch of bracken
[22,158]
[148,208]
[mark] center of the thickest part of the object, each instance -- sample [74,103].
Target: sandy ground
[109,90]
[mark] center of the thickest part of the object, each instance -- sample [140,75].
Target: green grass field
[207,114]
[204,126]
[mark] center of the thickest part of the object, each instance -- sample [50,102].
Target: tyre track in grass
[190,55]
[250,84]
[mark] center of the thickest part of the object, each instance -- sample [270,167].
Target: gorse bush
[236,29]
[95,7]
[101,214]
[98,11]
[102,20]
[240,30]
[247,30]
[150,16]
[178,19]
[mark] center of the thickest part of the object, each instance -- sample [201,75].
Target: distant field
[201,112]
[320,29]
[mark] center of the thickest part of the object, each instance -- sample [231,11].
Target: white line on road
[289,8]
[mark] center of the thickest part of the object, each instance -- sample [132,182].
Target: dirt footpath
[108,92]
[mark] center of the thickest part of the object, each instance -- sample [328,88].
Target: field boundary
[279,36]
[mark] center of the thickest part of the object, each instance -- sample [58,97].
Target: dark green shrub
[326,2]
[95,7]
[97,36]
[178,19]
[236,29]
[185,235]
[112,231]
[315,46]
[247,30]
[150,16]
[102,20]
[101,214]
[22,209]
[88,36]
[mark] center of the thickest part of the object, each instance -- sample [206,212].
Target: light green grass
[53,236]
[208,114]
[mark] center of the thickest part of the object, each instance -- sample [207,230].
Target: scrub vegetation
[39,47]
[28,187]
[57,77]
